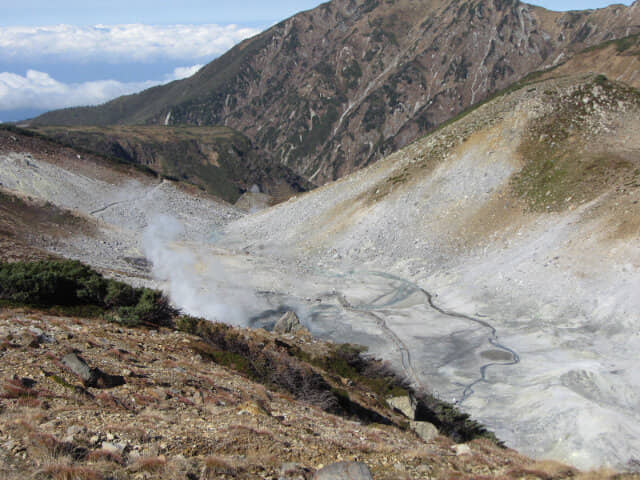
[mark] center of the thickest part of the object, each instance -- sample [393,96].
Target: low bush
[71,284]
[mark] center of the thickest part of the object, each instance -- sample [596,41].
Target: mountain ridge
[335,88]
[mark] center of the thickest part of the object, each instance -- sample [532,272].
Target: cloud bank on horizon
[40,89]
[183,48]
[119,43]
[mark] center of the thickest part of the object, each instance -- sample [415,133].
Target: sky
[62,53]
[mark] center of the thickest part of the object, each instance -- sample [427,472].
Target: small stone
[41,336]
[461,449]
[112,447]
[91,377]
[78,366]
[344,471]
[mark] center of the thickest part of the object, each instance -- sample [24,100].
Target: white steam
[195,283]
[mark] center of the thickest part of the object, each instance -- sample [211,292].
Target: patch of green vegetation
[622,45]
[352,73]
[347,361]
[375,114]
[557,170]
[369,5]
[324,68]
[451,421]
[320,131]
[399,179]
[72,287]
[61,381]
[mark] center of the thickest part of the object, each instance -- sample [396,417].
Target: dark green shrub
[120,294]
[47,283]
[71,284]
[151,308]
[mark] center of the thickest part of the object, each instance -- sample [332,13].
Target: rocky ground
[494,262]
[179,415]
[524,214]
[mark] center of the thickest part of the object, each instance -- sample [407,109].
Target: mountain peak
[338,87]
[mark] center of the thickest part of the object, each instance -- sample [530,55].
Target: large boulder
[405,405]
[91,377]
[288,323]
[344,471]
[425,430]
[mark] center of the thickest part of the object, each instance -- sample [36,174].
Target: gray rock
[425,430]
[288,323]
[404,405]
[42,337]
[112,447]
[91,377]
[78,366]
[344,471]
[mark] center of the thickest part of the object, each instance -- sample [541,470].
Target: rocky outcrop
[220,160]
[289,323]
[408,405]
[91,377]
[405,404]
[344,471]
[364,77]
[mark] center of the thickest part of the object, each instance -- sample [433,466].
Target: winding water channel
[399,290]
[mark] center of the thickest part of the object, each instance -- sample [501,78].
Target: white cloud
[184,72]
[38,90]
[119,43]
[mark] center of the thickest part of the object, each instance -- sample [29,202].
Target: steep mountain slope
[335,88]
[219,159]
[61,201]
[617,59]
[498,256]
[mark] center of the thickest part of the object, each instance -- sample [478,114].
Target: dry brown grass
[545,469]
[150,464]
[68,472]
[603,473]
[214,466]
[105,456]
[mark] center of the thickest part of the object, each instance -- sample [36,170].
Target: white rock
[461,449]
